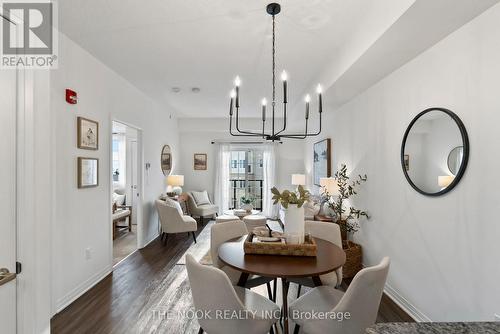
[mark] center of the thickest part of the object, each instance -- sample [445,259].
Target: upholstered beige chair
[253,221]
[212,291]
[361,301]
[329,232]
[226,218]
[223,232]
[201,206]
[173,221]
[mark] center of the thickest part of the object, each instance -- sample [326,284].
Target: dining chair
[361,301]
[222,232]
[213,292]
[329,232]
[172,219]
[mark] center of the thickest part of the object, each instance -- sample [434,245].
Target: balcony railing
[240,188]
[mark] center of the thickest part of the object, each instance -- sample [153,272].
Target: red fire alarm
[71,96]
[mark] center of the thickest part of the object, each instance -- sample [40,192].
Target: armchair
[173,221]
[200,205]
[120,211]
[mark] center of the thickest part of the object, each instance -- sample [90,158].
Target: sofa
[201,206]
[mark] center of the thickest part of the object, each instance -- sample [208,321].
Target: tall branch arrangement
[347,219]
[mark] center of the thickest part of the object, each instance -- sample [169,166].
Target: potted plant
[246,203]
[348,219]
[292,203]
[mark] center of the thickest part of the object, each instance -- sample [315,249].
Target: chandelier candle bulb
[232,95]
[320,98]
[308,98]
[264,103]
[284,77]
[237,83]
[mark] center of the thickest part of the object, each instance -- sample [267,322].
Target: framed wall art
[88,172]
[322,160]
[88,134]
[200,161]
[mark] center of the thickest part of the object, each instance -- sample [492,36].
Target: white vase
[247,207]
[294,221]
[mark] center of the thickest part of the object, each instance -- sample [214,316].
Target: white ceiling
[160,44]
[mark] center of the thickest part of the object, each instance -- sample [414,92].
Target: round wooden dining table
[329,257]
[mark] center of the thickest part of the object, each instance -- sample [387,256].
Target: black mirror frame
[465,141]
[161,157]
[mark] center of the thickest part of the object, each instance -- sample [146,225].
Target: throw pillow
[118,199]
[200,197]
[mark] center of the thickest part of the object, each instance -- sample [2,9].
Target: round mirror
[435,151]
[166,160]
[455,159]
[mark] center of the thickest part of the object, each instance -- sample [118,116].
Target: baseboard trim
[150,241]
[405,305]
[77,292]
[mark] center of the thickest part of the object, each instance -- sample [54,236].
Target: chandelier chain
[274,62]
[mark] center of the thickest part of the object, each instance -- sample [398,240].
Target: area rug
[169,309]
[201,249]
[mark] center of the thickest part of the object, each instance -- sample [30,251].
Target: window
[246,176]
[119,162]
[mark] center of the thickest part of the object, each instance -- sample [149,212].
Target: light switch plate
[88,254]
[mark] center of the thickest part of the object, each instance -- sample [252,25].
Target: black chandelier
[272,9]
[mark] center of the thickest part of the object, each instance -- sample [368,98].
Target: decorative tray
[253,246]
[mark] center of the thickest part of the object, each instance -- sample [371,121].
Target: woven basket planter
[354,258]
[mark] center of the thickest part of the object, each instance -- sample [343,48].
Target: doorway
[8,199]
[125,176]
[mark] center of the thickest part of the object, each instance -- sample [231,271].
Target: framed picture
[407,162]
[88,172]
[200,161]
[322,160]
[88,134]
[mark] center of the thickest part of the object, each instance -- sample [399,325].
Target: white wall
[196,137]
[444,250]
[82,216]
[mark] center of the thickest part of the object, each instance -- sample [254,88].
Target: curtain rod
[240,142]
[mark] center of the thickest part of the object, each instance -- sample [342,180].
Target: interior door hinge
[18,268]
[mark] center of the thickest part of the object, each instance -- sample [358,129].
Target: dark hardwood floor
[119,302]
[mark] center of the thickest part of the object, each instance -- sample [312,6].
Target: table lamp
[298,179]
[175,182]
[445,180]
[329,184]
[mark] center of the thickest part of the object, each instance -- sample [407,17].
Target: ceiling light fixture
[272,9]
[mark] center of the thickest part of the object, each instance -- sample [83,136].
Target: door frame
[34,211]
[140,185]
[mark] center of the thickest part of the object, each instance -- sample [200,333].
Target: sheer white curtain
[269,171]
[222,187]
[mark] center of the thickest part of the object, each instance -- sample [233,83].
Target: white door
[8,125]
[133,173]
